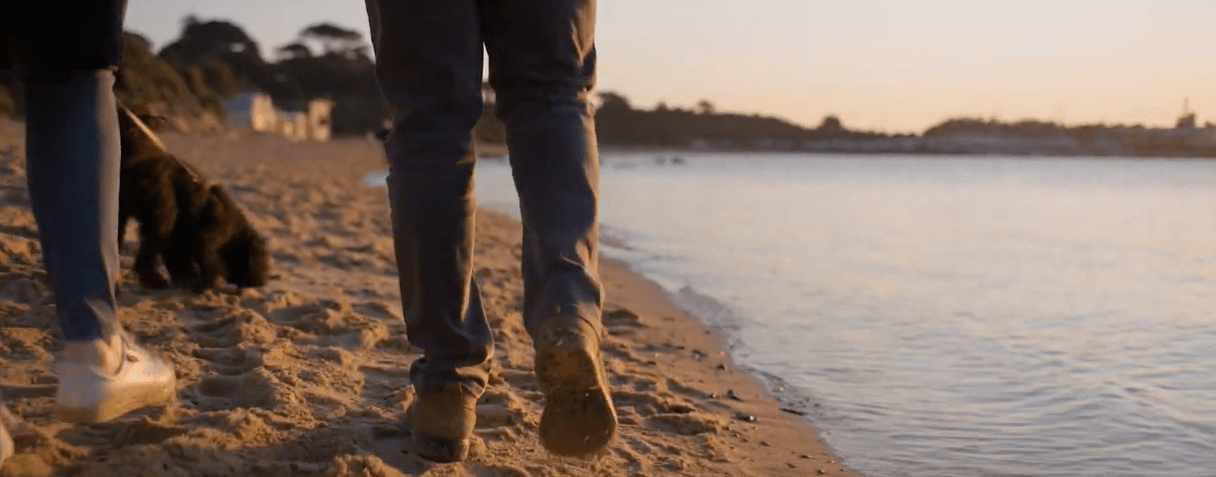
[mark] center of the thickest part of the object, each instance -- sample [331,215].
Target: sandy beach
[308,375]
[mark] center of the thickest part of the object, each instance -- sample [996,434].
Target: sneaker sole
[6,445]
[579,418]
[118,404]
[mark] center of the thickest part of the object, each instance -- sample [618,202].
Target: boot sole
[117,404]
[439,449]
[441,423]
[579,418]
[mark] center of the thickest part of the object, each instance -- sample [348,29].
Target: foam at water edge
[793,399]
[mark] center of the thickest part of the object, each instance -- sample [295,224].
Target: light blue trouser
[72,161]
[542,66]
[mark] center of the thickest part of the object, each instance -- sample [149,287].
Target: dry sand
[307,376]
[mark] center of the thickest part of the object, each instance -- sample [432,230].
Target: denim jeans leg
[429,58]
[72,171]
[542,66]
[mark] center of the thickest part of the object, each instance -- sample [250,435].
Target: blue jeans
[542,67]
[72,152]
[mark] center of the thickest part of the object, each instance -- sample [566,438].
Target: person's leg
[542,66]
[428,59]
[73,182]
[72,161]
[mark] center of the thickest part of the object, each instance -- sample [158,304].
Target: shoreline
[616,149]
[308,375]
[777,441]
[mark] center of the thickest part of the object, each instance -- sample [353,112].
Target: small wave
[709,310]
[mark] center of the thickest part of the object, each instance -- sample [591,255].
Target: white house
[254,111]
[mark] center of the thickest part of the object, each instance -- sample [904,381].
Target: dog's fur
[198,231]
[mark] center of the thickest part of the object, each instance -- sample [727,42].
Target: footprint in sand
[623,318]
[24,290]
[688,424]
[231,361]
[255,389]
[387,384]
[498,408]
[379,309]
[333,323]
[317,316]
[145,431]
[241,327]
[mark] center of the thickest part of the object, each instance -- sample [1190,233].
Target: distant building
[1187,120]
[319,113]
[254,111]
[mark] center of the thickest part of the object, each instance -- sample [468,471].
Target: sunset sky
[890,65]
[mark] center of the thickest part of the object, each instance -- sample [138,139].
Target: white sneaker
[7,448]
[89,393]
[6,445]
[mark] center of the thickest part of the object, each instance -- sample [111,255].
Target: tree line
[211,61]
[215,60]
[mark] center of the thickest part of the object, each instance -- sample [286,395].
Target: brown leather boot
[441,423]
[579,418]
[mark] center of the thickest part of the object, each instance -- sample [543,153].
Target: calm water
[952,316]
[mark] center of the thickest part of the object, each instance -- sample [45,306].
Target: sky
[883,65]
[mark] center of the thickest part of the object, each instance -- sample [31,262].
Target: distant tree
[144,79]
[201,40]
[196,81]
[219,78]
[612,101]
[344,73]
[333,38]
[705,107]
[135,44]
[956,126]
[661,107]
[294,50]
[223,41]
[830,124]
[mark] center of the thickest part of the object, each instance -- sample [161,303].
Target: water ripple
[957,316]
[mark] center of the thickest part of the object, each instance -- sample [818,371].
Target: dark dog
[198,231]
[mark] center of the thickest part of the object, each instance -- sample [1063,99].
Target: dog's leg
[124,215]
[156,231]
[179,260]
[147,266]
[212,270]
[213,230]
